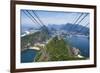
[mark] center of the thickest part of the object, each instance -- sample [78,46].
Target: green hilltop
[56,50]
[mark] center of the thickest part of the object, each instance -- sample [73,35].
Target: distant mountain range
[58,27]
[69,28]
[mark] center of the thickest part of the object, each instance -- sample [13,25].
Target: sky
[53,17]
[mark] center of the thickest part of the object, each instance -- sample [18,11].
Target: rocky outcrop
[75,51]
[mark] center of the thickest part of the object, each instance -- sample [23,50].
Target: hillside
[56,50]
[33,38]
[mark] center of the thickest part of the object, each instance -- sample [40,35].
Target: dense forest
[56,50]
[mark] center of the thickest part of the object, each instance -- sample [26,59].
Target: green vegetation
[39,54]
[42,55]
[56,50]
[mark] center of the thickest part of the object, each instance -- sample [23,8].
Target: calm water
[79,42]
[28,55]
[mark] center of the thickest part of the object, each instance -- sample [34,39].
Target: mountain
[56,50]
[75,28]
[32,38]
[69,28]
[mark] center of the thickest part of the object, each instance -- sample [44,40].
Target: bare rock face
[75,51]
